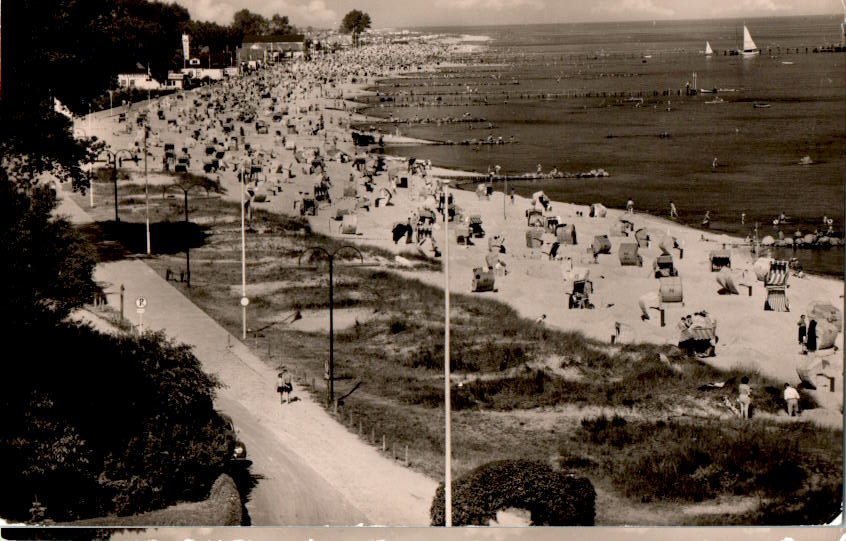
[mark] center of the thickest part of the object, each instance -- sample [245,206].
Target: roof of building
[275,38]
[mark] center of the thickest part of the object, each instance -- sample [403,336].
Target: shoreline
[464,184]
[750,339]
[618,287]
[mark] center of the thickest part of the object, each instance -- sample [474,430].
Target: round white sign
[245,301]
[140,302]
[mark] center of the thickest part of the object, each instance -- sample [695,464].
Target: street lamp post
[244,300]
[447,398]
[146,195]
[90,185]
[185,185]
[504,194]
[330,397]
[113,157]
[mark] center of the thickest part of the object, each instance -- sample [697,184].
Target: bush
[131,426]
[689,462]
[398,326]
[553,498]
[601,431]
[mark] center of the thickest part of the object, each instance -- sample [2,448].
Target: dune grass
[526,390]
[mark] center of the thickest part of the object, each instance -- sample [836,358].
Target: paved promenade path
[311,470]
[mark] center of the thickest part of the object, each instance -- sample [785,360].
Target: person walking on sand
[674,213]
[811,337]
[706,221]
[791,399]
[744,392]
[630,206]
[284,386]
[803,331]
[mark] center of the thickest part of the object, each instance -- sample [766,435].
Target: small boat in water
[716,99]
[707,91]
[757,105]
[708,50]
[749,48]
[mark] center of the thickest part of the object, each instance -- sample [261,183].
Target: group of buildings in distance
[254,52]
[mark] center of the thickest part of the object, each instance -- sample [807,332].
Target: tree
[280,25]
[92,424]
[247,23]
[355,22]
[72,49]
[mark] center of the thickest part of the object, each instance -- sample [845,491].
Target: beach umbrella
[788,241]
[809,238]
[767,241]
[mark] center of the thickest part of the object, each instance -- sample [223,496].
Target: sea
[768,139]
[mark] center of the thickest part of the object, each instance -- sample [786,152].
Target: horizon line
[635,20]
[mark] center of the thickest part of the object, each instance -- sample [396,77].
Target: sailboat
[708,50]
[749,47]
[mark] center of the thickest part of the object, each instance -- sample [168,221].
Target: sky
[409,13]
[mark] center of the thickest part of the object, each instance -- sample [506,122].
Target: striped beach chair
[776,283]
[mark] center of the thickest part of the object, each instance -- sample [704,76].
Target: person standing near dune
[744,396]
[791,399]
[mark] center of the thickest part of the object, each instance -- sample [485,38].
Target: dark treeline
[93,424]
[74,49]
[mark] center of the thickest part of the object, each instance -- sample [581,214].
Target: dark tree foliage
[91,424]
[74,49]
[208,38]
[34,139]
[355,22]
[247,23]
[46,264]
[96,424]
[553,498]
[281,25]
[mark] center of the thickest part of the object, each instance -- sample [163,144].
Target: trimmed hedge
[221,508]
[553,498]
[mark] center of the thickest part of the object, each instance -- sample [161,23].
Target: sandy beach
[750,338]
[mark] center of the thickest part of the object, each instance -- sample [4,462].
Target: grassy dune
[648,434]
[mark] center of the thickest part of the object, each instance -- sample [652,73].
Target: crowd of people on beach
[297,99]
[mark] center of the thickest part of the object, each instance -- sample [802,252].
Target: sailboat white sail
[708,49]
[749,47]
